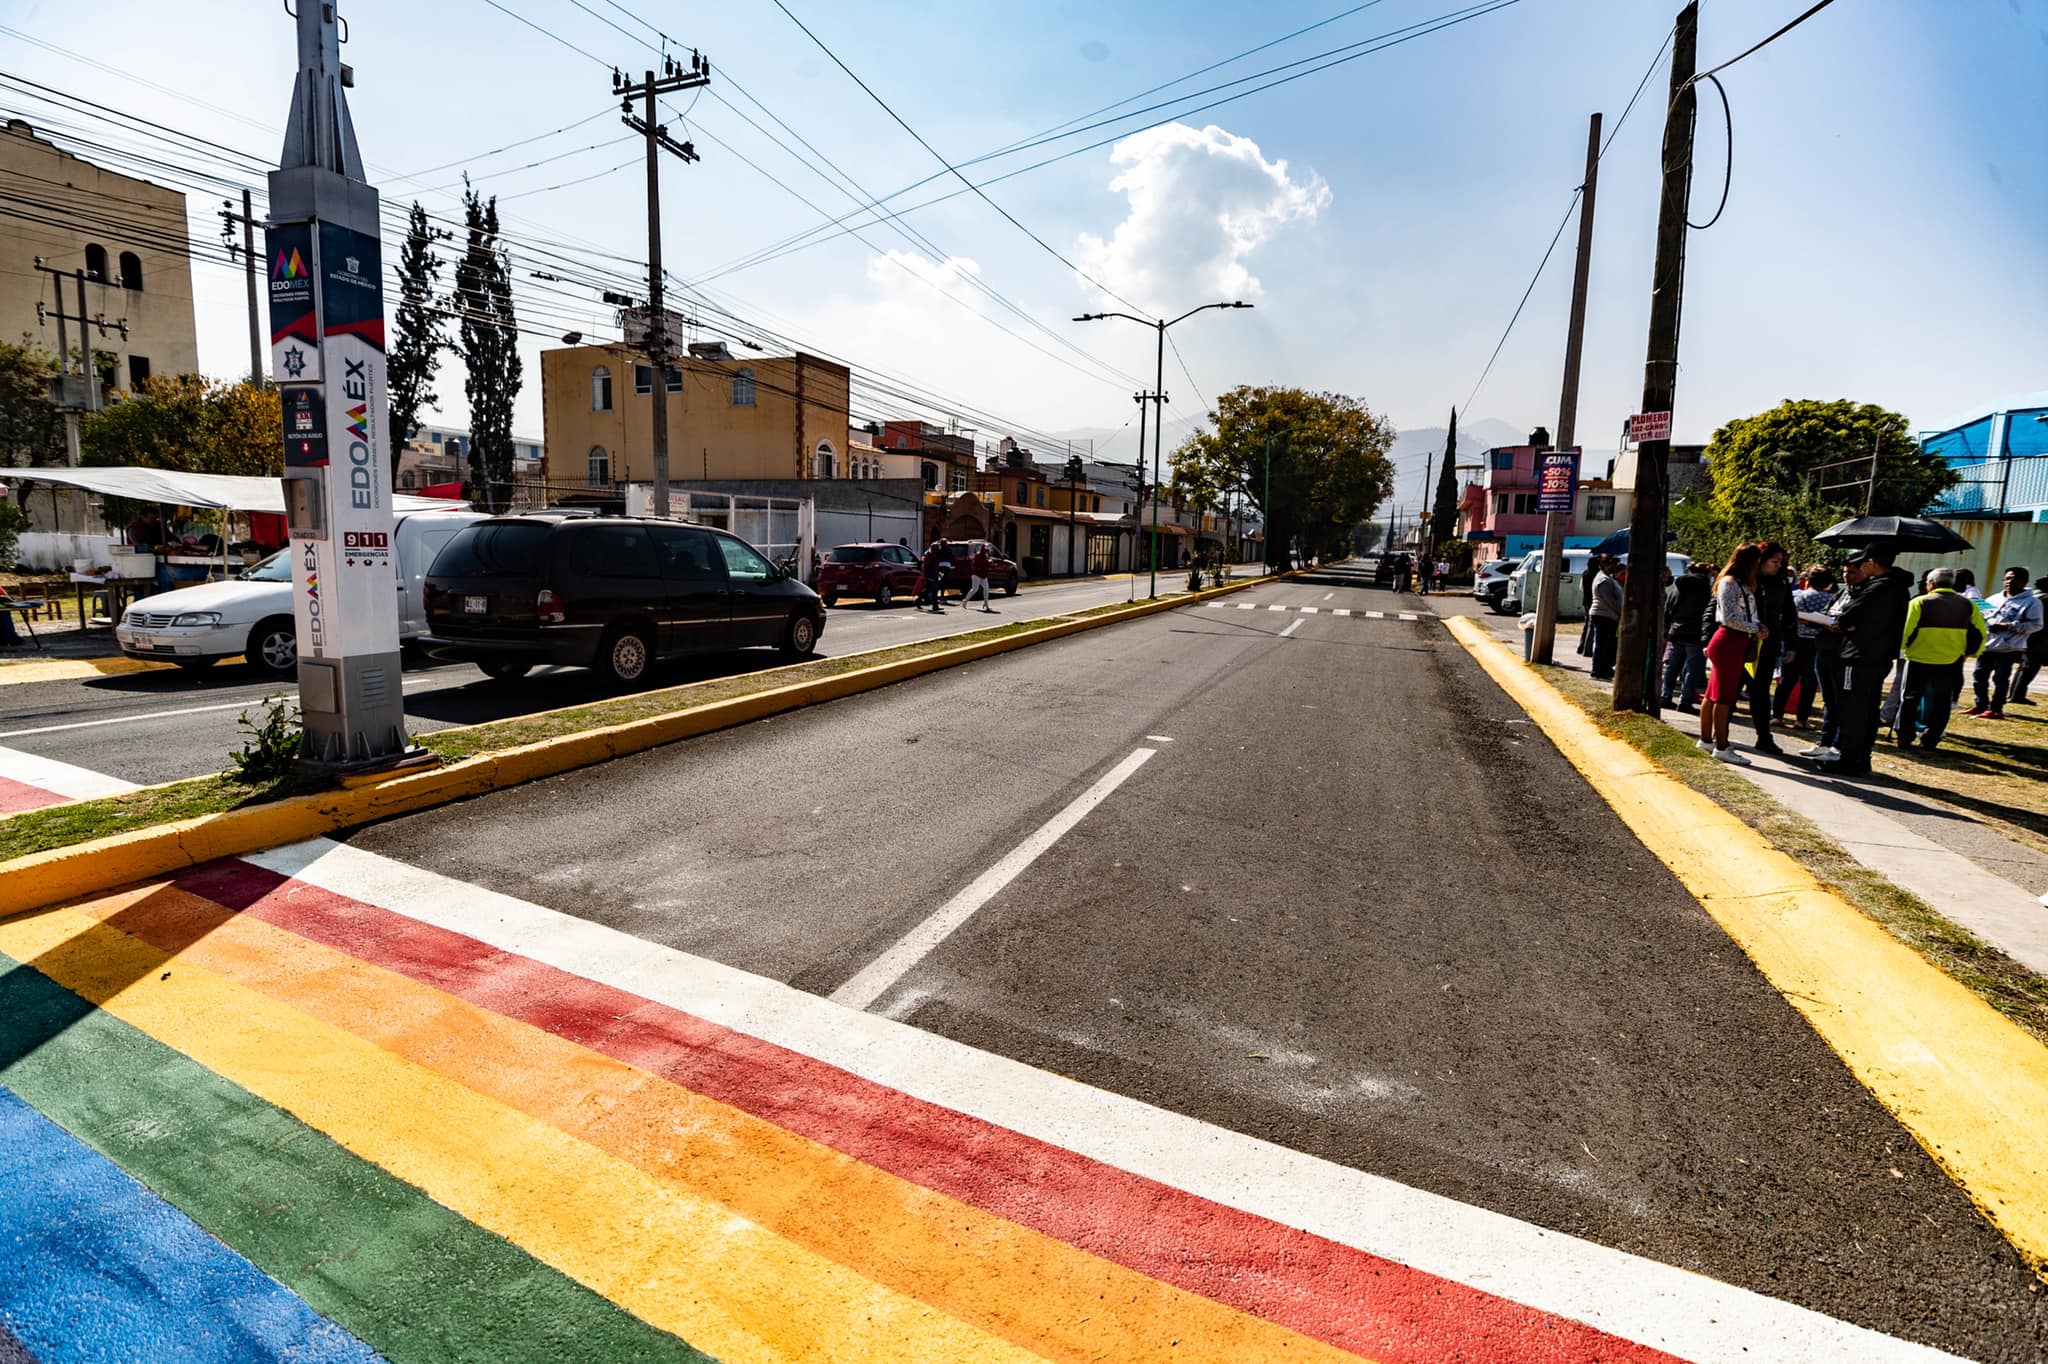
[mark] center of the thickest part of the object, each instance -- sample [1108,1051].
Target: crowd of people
[1867,651]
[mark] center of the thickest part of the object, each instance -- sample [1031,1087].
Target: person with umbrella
[1870,616]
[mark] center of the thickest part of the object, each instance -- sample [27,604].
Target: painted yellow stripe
[1027,1287]
[675,1260]
[73,669]
[1969,1084]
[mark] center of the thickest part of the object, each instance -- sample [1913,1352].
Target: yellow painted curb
[82,869]
[1968,1083]
[73,669]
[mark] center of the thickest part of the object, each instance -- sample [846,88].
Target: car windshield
[851,554]
[493,547]
[276,569]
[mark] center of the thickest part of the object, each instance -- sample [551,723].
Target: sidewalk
[1973,875]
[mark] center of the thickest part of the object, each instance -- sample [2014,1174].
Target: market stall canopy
[234,492]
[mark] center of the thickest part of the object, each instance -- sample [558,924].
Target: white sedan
[195,627]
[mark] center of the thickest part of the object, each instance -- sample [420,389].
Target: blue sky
[1882,240]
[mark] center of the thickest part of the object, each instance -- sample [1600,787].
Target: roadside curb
[1969,1084]
[30,670]
[82,869]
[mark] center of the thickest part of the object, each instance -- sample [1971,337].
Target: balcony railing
[1997,486]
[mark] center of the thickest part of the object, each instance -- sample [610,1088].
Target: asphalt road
[1350,901]
[161,725]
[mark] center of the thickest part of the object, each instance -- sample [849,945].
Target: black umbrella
[1617,543]
[1915,533]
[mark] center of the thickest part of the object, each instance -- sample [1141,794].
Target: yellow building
[128,236]
[729,417]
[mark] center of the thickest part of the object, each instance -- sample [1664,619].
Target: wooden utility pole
[1567,404]
[1643,600]
[674,76]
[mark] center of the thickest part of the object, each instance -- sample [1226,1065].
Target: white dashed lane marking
[1318,610]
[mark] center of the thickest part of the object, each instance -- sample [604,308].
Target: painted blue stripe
[93,1266]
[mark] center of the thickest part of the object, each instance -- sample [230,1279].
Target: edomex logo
[291,266]
[316,620]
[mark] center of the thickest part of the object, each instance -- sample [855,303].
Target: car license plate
[475,606]
[144,642]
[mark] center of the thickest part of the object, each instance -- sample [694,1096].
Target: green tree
[417,336]
[31,428]
[1443,509]
[489,348]
[188,423]
[1328,465]
[1786,449]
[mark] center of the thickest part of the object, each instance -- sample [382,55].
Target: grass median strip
[1994,977]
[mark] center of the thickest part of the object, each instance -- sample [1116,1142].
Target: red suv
[882,571]
[1003,575]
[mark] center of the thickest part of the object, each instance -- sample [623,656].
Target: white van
[250,615]
[1571,605]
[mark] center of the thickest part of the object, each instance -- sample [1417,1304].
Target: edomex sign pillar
[327,350]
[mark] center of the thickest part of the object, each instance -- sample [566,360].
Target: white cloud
[1201,203]
[908,277]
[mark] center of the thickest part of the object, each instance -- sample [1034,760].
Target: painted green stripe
[407,1276]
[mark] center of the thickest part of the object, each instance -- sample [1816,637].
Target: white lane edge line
[1295,625]
[1158,739]
[1328,595]
[1624,1293]
[252,702]
[873,980]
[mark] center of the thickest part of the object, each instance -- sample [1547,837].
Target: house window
[643,379]
[96,263]
[1525,504]
[131,271]
[930,472]
[1600,507]
[743,388]
[1041,496]
[1504,460]
[1023,493]
[599,469]
[406,480]
[1500,504]
[138,370]
[600,393]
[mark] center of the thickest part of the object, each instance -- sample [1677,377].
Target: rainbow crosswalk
[320,1105]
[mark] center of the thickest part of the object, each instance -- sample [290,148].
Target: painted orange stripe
[1031,1289]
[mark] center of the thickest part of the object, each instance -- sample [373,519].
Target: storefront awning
[233,492]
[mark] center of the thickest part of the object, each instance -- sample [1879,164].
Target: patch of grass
[60,826]
[1990,770]
[1997,979]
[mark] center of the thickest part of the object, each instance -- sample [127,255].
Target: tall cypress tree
[489,346]
[1443,511]
[418,335]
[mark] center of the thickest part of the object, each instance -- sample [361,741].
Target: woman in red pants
[1739,629]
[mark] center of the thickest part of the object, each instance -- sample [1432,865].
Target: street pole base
[369,771]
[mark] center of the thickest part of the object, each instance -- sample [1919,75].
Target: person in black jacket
[1871,620]
[1686,604]
[1781,619]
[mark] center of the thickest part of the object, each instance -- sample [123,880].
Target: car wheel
[196,665]
[274,646]
[885,597]
[505,672]
[625,657]
[1010,588]
[800,637]
[832,598]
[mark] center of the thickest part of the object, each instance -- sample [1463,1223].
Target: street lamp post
[1159,396]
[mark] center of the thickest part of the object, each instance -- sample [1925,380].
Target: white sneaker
[1821,751]
[1702,745]
[1729,755]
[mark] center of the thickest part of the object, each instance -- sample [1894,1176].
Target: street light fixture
[1159,397]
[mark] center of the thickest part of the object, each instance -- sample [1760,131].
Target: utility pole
[78,393]
[1567,404]
[228,219]
[1138,511]
[674,76]
[1158,428]
[1643,600]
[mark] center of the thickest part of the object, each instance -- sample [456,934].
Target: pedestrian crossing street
[1320,610]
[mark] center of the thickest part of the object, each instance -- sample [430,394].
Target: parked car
[1570,603]
[1490,581]
[612,593]
[251,613]
[875,569]
[1003,574]
[1393,568]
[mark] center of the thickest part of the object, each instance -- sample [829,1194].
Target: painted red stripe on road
[1335,1293]
[17,796]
